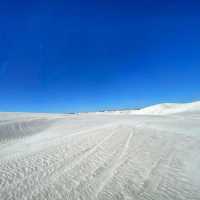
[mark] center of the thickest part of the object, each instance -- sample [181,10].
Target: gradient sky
[64,56]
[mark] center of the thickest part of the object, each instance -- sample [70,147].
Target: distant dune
[169,108]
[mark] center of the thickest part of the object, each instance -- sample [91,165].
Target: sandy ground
[99,156]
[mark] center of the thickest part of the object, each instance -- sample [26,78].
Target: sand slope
[169,108]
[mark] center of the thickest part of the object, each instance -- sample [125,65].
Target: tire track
[70,170]
[111,172]
[75,157]
[50,178]
[90,184]
[81,159]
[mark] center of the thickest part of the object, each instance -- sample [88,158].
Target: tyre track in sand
[75,170]
[112,170]
[28,182]
[86,178]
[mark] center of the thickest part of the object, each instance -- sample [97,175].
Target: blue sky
[65,56]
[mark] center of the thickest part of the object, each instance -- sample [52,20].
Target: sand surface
[100,156]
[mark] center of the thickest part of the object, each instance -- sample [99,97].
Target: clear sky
[80,55]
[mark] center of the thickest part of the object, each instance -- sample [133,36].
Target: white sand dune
[151,156]
[169,108]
